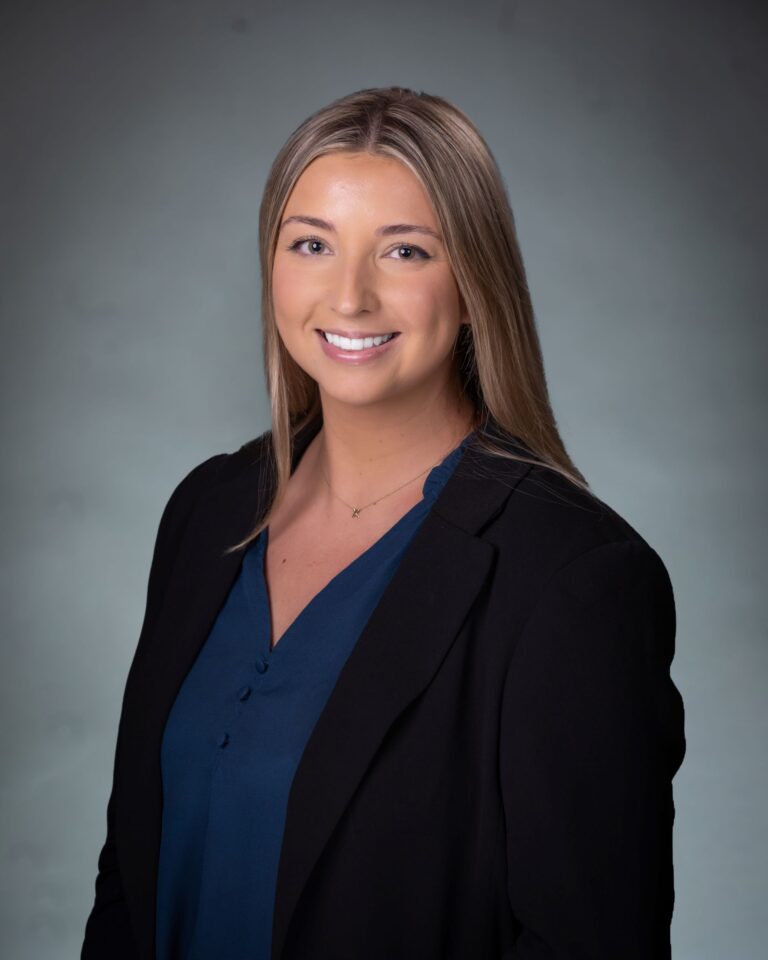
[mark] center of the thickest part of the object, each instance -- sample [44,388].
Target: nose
[353,286]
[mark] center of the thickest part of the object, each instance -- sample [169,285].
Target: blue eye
[422,254]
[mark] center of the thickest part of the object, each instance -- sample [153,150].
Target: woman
[402,689]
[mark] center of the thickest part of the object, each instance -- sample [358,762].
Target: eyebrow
[384,231]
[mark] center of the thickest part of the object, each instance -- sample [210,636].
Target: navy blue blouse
[234,738]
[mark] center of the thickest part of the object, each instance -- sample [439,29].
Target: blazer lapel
[393,660]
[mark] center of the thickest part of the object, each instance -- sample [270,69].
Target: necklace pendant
[356,512]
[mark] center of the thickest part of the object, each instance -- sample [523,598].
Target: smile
[357,350]
[357,343]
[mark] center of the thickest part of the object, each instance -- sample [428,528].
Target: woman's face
[371,262]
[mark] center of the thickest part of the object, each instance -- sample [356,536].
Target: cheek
[287,296]
[431,310]
[280,285]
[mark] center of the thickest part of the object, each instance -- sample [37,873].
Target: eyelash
[410,246]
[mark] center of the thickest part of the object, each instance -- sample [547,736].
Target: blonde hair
[498,354]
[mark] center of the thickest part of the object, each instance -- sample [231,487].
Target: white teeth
[357,344]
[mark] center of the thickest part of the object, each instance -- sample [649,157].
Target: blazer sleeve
[108,934]
[592,733]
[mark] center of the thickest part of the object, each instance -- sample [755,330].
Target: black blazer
[492,774]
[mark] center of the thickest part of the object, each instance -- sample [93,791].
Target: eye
[422,254]
[297,243]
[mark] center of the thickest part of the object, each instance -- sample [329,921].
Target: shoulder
[590,599]
[216,469]
[571,538]
[222,467]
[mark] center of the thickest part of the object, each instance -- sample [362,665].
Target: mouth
[356,349]
[348,340]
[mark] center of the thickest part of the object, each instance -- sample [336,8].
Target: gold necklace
[357,510]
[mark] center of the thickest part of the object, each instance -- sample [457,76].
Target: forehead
[360,185]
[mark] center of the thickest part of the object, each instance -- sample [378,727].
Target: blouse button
[261,665]
[245,692]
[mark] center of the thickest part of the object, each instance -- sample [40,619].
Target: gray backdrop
[136,137]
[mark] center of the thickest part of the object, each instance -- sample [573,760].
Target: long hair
[498,355]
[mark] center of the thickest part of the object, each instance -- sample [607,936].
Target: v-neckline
[344,573]
[257,588]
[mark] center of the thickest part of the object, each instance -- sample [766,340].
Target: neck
[365,455]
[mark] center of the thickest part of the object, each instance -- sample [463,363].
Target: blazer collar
[393,660]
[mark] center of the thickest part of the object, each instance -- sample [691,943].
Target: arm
[108,933]
[592,733]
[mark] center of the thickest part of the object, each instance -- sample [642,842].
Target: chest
[304,554]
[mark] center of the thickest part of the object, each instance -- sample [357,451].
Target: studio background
[136,139]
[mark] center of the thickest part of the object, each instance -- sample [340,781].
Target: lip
[355,356]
